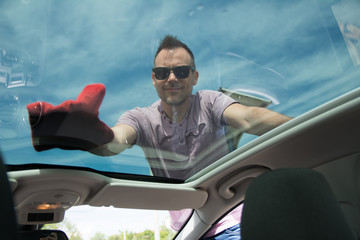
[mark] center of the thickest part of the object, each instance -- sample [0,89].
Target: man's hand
[72,124]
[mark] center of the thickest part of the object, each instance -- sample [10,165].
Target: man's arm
[124,137]
[253,120]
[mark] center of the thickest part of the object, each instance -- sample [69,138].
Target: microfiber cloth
[72,124]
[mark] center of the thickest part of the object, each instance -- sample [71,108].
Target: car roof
[218,189]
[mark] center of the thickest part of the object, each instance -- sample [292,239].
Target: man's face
[174,91]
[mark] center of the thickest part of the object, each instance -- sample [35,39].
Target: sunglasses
[162,73]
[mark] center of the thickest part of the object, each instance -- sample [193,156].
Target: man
[182,133]
[180,120]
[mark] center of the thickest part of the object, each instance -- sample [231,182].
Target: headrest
[292,204]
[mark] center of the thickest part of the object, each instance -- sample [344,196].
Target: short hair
[172,42]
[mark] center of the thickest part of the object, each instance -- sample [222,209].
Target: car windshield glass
[286,56]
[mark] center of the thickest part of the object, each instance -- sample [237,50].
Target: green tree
[166,234]
[71,231]
[99,236]
[147,234]
[116,237]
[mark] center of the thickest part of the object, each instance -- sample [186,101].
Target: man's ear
[153,79]
[196,77]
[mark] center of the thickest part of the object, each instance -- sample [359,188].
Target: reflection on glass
[346,13]
[280,51]
[9,108]
[16,71]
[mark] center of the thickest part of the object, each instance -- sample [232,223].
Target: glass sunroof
[294,56]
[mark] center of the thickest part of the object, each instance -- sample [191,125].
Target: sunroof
[289,57]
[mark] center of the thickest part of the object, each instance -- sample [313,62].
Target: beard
[176,98]
[175,102]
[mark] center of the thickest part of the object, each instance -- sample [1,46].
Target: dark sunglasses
[162,73]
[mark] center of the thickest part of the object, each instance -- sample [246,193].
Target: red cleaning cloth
[72,124]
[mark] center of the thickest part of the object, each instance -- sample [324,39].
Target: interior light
[48,206]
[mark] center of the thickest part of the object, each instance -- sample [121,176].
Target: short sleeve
[217,102]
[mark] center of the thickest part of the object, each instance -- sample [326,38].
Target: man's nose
[172,76]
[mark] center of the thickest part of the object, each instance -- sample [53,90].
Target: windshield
[287,56]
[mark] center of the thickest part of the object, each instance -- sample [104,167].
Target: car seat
[292,204]
[8,223]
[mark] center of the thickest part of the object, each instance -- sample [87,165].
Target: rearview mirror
[38,234]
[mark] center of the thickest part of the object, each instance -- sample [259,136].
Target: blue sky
[290,51]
